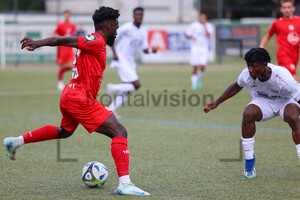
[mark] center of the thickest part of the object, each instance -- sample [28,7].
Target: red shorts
[77,108]
[64,55]
[288,63]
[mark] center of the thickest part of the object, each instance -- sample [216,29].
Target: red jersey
[64,29]
[90,63]
[78,103]
[287,37]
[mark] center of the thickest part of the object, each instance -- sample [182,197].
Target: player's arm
[31,45]
[207,33]
[265,40]
[190,37]
[232,90]
[115,56]
[151,50]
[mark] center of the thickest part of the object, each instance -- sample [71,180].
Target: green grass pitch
[175,150]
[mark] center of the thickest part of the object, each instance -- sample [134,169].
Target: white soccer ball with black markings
[94,174]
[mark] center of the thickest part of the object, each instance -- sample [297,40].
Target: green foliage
[23,5]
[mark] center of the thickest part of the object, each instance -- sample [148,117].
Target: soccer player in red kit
[65,55]
[287,29]
[78,103]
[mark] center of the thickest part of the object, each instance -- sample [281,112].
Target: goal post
[2,42]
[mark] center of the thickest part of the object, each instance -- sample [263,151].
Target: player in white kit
[131,36]
[274,92]
[199,34]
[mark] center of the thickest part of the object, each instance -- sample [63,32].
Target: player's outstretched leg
[250,168]
[11,144]
[44,133]
[109,92]
[123,90]
[119,150]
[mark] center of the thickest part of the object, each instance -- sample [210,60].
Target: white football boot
[11,145]
[130,189]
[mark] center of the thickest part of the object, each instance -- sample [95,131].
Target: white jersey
[197,30]
[129,39]
[280,86]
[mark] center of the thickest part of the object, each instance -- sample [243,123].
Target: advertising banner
[169,39]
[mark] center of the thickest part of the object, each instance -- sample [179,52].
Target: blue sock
[250,164]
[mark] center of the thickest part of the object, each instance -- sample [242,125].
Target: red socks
[119,148]
[62,71]
[120,154]
[45,133]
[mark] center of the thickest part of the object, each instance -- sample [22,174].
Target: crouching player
[274,92]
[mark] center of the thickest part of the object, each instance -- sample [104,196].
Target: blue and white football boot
[130,189]
[250,168]
[199,84]
[11,145]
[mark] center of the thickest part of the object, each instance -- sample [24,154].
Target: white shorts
[126,69]
[198,56]
[271,109]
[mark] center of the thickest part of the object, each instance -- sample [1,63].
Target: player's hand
[28,43]
[154,49]
[115,57]
[210,106]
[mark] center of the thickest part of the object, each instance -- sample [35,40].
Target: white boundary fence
[2,43]
[169,38]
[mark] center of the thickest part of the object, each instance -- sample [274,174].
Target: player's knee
[122,131]
[63,133]
[137,85]
[293,118]
[248,116]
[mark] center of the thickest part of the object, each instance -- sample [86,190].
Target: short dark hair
[104,14]
[138,8]
[67,11]
[284,1]
[257,55]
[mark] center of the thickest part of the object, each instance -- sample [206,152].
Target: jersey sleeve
[291,86]
[272,30]
[241,79]
[121,32]
[90,43]
[189,30]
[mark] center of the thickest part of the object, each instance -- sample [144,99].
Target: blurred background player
[65,55]
[287,29]
[78,103]
[199,33]
[80,31]
[274,92]
[131,36]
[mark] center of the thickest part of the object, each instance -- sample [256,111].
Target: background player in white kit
[131,36]
[274,92]
[199,33]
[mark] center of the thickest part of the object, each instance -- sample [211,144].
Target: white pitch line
[56,92]
[30,93]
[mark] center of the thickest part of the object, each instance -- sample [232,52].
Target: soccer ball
[94,174]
